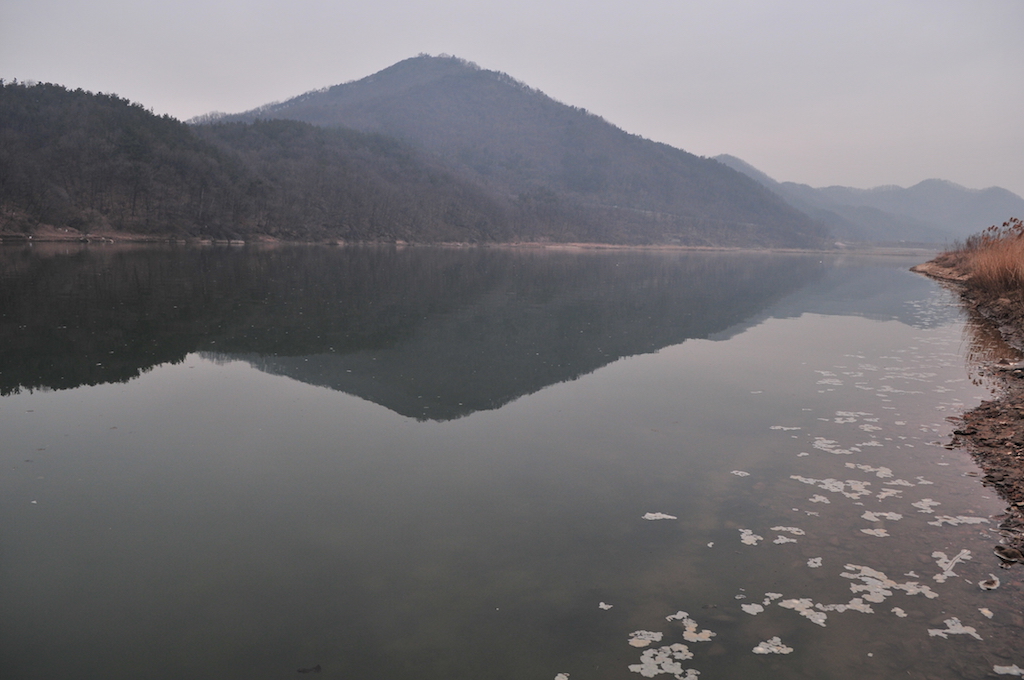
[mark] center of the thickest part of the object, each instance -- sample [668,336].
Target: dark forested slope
[95,162]
[91,161]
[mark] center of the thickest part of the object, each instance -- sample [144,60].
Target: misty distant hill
[566,171]
[932,211]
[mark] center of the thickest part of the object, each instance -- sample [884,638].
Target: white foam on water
[954,627]
[665,660]
[748,537]
[947,563]
[772,646]
[642,638]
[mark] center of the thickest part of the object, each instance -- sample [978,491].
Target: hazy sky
[858,93]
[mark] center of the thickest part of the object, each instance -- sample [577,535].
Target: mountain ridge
[527,146]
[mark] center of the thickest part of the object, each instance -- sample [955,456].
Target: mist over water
[433,463]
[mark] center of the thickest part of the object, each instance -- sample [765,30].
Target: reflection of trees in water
[428,332]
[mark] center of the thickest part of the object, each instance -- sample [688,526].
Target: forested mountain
[88,161]
[95,162]
[579,176]
[932,211]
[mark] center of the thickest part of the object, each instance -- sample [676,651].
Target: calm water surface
[436,464]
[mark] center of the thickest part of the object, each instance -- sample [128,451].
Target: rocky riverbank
[993,432]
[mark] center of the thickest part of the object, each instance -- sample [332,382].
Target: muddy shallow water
[502,465]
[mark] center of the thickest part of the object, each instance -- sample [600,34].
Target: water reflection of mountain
[881,288]
[427,332]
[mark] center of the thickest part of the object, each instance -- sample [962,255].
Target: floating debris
[805,607]
[958,520]
[879,586]
[752,609]
[986,612]
[849,416]
[740,473]
[1008,670]
[665,660]
[784,428]
[642,638]
[880,472]
[814,562]
[605,606]
[659,515]
[818,498]
[878,533]
[779,540]
[947,563]
[857,488]
[562,676]
[748,537]
[886,493]
[879,516]
[816,613]
[690,633]
[990,583]
[899,482]
[771,597]
[832,446]
[711,544]
[899,612]
[855,605]
[792,530]
[925,505]
[772,646]
[954,627]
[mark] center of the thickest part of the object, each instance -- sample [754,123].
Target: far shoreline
[69,236]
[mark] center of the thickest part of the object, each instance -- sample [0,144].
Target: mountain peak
[522,144]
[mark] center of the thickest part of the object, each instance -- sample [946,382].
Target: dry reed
[993,260]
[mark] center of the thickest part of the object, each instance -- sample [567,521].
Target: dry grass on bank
[992,260]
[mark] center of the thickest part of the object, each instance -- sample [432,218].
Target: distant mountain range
[432,149]
[932,211]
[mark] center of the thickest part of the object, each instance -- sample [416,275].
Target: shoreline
[992,433]
[69,236]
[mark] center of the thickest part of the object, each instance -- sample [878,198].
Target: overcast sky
[858,93]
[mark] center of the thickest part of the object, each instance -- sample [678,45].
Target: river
[442,463]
